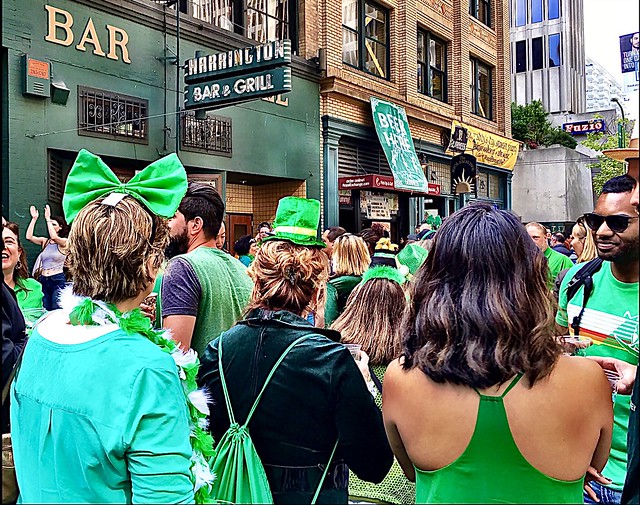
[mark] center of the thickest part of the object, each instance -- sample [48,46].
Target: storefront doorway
[237,226]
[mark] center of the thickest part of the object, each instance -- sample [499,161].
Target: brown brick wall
[345,91]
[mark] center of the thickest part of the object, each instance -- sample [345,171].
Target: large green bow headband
[159,187]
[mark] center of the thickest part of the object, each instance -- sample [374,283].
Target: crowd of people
[439,370]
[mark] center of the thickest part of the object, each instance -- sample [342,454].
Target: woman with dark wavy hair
[483,406]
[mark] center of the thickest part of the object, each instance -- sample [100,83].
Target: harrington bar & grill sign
[238,75]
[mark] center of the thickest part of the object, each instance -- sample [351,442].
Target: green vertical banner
[393,132]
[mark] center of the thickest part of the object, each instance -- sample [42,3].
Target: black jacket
[317,396]
[561,249]
[13,340]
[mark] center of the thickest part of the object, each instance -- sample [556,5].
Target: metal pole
[621,132]
[178,67]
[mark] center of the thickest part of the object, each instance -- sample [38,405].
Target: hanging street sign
[393,132]
[237,89]
[237,76]
[244,60]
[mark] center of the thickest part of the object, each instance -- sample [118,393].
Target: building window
[494,187]
[554,50]
[211,134]
[537,15]
[365,37]
[521,56]
[481,88]
[267,20]
[537,54]
[432,66]
[216,12]
[521,12]
[106,114]
[554,9]
[260,20]
[481,10]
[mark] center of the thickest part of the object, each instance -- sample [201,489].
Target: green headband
[383,272]
[160,187]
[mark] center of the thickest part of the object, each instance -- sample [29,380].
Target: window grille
[361,157]
[212,134]
[440,173]
[56,178]
[112,115]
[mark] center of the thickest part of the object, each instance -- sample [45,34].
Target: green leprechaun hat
[411,258]
[297,221]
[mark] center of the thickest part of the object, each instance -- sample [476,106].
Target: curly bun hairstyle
[115,252]
[286,277]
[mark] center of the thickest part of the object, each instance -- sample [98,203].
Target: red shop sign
[378,182]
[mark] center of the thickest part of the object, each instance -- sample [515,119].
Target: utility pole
[621,125]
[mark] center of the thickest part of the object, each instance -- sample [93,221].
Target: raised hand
[47,212]
[34,212]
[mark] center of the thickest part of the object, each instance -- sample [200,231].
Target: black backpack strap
[584,278]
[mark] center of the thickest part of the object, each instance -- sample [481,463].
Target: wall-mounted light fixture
[59,92]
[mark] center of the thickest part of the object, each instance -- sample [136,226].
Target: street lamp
[165,4]
[620,124]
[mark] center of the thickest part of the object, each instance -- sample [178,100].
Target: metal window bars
[213,134]
[103,113]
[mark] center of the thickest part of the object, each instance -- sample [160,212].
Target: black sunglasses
[616,224]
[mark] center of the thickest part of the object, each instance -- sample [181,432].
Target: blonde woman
[379,333]
[584,246]
[350,259]
[316,410]
[583,243]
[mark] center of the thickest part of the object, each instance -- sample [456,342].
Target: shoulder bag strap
[324,475]
[585,280]
[266,382]
[232,418]
[7,386]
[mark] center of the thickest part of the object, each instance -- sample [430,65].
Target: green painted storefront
[272,145]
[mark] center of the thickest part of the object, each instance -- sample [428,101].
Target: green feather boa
[133,322]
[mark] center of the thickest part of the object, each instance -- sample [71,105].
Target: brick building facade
[441,60]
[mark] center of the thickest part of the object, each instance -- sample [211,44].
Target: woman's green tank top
[492,469]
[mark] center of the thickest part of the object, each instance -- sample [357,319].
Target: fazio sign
[237,76]
[581,127]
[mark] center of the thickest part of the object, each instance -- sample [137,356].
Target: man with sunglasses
[629,373]
[610,317]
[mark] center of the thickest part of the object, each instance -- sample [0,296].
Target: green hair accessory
[383,272]
[159,187]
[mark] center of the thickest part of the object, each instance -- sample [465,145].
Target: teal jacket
[316,396]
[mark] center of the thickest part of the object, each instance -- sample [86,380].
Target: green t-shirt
[610,321]
[557,262]
[29,294]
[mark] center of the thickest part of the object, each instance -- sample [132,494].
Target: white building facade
[547,54]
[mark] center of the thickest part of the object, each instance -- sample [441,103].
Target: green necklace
[90,312]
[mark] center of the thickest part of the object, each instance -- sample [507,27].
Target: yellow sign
[487,147]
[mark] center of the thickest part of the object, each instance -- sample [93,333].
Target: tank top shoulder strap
[514,381]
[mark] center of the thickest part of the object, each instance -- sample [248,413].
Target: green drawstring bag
[240,475]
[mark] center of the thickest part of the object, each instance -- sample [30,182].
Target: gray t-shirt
[183,297]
